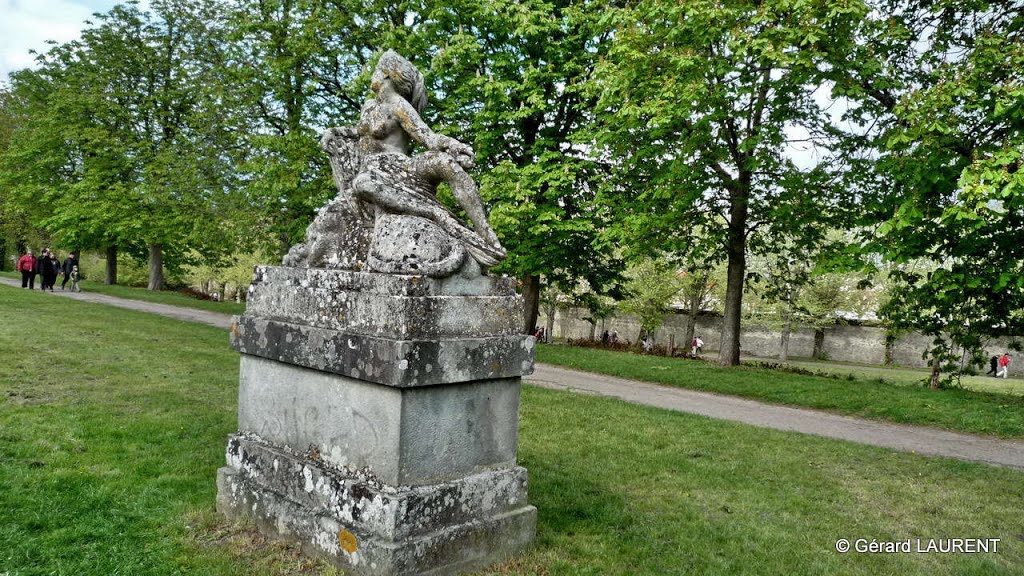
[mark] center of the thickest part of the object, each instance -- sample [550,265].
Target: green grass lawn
[960,410]
[159,297]
[113,423]
[903,375]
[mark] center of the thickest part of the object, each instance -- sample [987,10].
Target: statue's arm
[420,132]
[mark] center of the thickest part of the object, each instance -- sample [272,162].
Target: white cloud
[27,24]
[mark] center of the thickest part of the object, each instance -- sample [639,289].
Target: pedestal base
[378,419]
[368,527]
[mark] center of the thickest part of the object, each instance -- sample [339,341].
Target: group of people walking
[48,266]
[999,366]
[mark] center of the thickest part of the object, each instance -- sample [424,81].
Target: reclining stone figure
[380,186]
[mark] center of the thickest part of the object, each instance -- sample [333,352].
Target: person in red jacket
[27,266]
[1004,366]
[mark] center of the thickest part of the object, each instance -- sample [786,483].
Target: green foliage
[698,105]
[791,288]
[14,223]
[599,307]
[234,272]
[512,76]
[651,287]
[703,289]
[125,142]
[293,62]
[940,85]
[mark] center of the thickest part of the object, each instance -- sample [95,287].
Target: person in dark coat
[55,264]
[27,266]
[48,267]
[40,261]
[993,366]
[70,263]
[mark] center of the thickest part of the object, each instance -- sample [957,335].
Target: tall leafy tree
[701,101]
[127,147]
[39,165]
[511,79]
[295,63]
[939,86]
[651,287]
[13,222]
[698,290]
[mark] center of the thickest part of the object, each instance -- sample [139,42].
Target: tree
[297,66]
[512,76]
[127,146]
[698,290]
[651,286]
[785,283]
[38,163]
[551,299]
[699,104]
[12,219]
[940,85]
[599,308]
[806,284]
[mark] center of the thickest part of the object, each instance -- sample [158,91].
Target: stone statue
[386,217]
[378,413]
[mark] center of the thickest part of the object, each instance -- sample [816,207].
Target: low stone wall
[842,343]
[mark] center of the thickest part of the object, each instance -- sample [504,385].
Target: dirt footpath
[181,313]
[919,439]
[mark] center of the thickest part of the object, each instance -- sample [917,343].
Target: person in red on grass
[1004,365]
[27,266]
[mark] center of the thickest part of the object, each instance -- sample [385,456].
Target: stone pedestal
[378,419]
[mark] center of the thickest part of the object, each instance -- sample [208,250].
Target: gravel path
[179,312]
[918,439]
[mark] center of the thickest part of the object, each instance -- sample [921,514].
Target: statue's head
[406,79]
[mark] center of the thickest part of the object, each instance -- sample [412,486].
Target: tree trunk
[593,330]
[890,349]
[691,324]
[819,344]
[531,303]
[110,277]
[933,381]
[156,267]
[729,352]
[3,254]
[550,327]
[671,344]
[736,250]
[787,329]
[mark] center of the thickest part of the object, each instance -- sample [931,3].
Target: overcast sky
[27,24]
